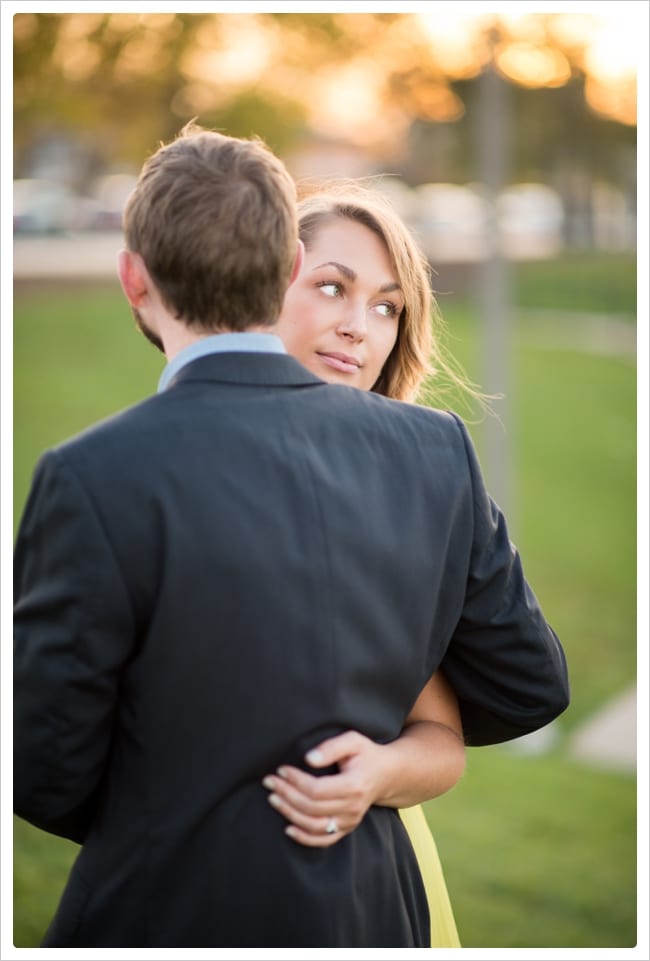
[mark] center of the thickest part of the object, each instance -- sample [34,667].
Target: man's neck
[176,336]
[254,340]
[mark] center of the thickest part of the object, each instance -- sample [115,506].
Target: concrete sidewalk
[606,740]
[609,739]
[67,256]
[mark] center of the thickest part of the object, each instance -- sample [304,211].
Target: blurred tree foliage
[108,79]
[119,83]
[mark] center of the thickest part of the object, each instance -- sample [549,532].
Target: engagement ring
[332,827]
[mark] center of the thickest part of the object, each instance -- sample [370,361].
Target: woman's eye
[387,309]
[330,289]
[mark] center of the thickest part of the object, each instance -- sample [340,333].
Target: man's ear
[133,277]
[300,256]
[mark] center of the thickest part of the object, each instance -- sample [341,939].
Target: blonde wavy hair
[418,357]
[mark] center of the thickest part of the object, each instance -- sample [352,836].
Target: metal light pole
[494,282]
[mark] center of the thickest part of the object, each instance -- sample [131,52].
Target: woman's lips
[342,362]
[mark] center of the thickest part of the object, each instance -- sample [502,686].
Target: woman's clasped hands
[323,809]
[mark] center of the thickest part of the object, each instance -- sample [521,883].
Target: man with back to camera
[214,581]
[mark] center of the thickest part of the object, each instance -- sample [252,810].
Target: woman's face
[341,315]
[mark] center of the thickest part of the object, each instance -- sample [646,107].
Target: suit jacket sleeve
[73,631]
[504,661]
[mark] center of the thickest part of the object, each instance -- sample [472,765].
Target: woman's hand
[322,810]
[426,760]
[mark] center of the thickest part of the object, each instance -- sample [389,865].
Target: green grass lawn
[537,851]
[77,358]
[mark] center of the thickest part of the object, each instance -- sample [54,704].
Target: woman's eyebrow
[346,271]
[351,275]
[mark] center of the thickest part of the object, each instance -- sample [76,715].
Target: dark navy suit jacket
[210,583]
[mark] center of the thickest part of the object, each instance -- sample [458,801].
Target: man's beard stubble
[152,337]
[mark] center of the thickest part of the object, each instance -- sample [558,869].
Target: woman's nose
[353,324]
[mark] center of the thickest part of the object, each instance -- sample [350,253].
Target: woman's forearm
[426,760]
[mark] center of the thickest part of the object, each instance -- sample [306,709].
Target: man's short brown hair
[214,219]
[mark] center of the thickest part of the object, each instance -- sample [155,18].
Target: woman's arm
[427,759]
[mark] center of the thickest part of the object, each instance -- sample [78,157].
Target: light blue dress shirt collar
[237,341]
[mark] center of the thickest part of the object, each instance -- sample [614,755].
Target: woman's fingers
[313,803]
[318,797]
[323,825]
[319,816]
[335,749]
[293,782]
[313,840]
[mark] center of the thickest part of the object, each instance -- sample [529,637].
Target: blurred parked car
[49,207]
[530,218]
[451,221]
[42,207]
[111,193]
[458,222]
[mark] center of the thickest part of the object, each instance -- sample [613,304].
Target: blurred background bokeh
[508,141]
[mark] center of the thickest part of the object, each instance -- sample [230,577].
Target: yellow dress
[443,926]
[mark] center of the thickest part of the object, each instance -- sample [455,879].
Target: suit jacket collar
[231,367]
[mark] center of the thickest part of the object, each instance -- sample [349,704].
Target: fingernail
[274,800]
[282,771]
[269,782]
[291,831]
[315,757]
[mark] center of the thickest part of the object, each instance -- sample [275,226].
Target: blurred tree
[401,85]
[106,80]
[255,112]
